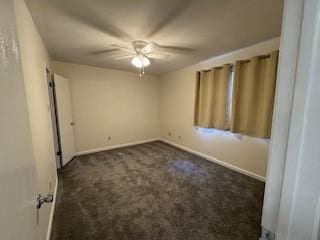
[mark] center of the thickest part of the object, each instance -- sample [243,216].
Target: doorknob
[41,200]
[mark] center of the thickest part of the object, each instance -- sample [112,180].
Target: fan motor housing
[139,45]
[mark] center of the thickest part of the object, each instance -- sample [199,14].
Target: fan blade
[106,51]
[123,48]
[124,57]
[173,49]
[155,55]
[149,47]
[152,46]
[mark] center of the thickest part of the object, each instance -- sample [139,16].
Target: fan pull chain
[141,72]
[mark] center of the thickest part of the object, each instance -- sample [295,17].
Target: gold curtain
[211,105]
[253,95]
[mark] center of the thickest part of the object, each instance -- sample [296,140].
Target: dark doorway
[54,118]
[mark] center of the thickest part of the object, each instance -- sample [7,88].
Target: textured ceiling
[81,31]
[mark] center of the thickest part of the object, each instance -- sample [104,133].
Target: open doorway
[54,118]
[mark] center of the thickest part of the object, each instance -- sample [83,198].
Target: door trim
[299,53]
[53,206]
[288,57]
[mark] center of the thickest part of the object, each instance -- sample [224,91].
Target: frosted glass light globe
[140,61]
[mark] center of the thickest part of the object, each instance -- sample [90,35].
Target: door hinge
[267,234]
[59,153]
[51,84]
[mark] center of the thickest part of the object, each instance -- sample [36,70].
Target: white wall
[177,109]
[111,103]
[35,57]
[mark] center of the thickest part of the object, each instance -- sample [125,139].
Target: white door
[63,99]
[18,176]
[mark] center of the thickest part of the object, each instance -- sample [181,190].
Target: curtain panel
[211,104]
[253,95]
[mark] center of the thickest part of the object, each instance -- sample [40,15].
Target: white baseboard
[212,159]
[116,146]
[53,205]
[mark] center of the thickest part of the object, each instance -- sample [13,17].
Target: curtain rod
[242,61]
[259,57]
[207,70]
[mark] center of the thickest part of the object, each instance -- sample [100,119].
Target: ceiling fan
[141,53]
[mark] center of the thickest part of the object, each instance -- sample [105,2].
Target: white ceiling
[81,31]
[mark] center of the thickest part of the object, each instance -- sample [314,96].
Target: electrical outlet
[169,134]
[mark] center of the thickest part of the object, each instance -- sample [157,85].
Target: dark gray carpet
[155,191]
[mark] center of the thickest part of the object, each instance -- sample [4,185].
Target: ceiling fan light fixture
[140,61]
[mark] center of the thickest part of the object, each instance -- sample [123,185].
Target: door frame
[299,50]
[288,58]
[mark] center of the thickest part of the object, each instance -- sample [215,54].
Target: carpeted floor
[155,191]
